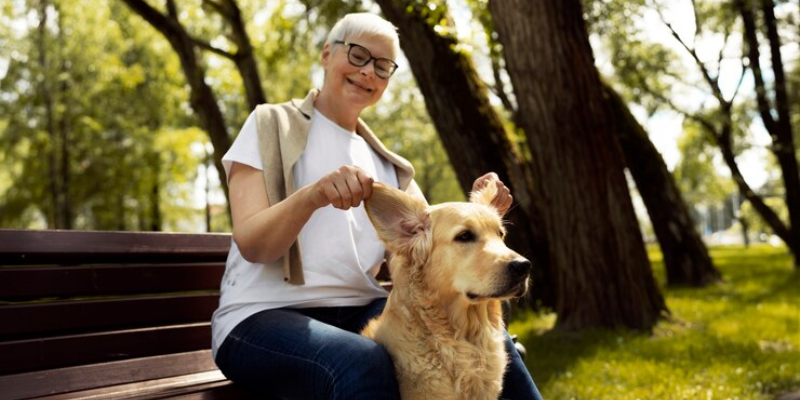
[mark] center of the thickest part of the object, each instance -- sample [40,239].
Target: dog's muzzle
[519,269]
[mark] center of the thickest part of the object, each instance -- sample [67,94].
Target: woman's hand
[502,200]
[346,187]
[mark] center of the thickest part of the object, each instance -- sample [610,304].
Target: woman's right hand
[344,188]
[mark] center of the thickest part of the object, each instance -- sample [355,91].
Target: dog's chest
[464,370]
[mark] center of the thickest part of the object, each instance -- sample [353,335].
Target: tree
[114,97]
[774,111]
[724,119]
[596,249]
[686,258]
[202,97]
[470,129]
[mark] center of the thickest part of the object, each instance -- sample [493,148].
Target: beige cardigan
[282,137]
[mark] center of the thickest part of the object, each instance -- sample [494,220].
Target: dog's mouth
[516,290]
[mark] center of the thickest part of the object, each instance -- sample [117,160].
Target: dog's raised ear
[485,195]
[401,221]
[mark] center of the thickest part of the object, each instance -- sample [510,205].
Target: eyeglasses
[360,56]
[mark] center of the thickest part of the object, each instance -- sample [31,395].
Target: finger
[354,189]
[330,192]
[345,196]
[366,184]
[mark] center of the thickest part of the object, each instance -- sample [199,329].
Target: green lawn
[736,340]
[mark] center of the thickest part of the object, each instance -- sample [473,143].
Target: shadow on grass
[739,338]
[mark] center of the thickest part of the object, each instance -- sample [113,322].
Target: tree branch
[781,98]
[219,8]
[216,50]
[753,55]
[712,82]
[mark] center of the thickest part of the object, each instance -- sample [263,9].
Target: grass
[736,340]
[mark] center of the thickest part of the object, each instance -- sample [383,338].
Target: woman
[299,286]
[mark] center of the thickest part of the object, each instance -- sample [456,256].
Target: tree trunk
[201,97]
[470,129]
[686,257]
[779,126]
[596,249]
[45,88]
[63,130]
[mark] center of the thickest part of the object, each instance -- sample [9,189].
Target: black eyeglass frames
[359,56]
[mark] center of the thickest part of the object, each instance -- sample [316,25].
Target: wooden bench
[107,315]
[111,315]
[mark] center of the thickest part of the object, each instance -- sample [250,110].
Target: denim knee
[367,372]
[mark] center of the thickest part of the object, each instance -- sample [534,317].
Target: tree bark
[470,129]
[601,268]
[686,258]
[202,98]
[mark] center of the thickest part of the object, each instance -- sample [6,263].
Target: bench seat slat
[63,351]
[25,320]
[34,282]
[207,385]
[72,379]
[81,247]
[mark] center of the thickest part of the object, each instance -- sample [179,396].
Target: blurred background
[650,146]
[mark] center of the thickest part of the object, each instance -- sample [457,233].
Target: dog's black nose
[519,267]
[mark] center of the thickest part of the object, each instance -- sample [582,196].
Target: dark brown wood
[603,275]
[70,350]
[79,247]
[24,283]
[110,315]
[64,380]
[72,316]
[210,382]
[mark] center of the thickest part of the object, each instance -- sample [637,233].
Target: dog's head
[456,249]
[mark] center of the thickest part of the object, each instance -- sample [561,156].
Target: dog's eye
[466,236]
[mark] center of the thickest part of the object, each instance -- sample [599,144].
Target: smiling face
[355,87]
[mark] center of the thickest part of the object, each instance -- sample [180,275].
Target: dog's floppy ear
[400,220]
[485,195]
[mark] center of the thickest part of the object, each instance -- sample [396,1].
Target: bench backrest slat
[82,316]
[81,247]
[74,299]
[70,350]
[27,283]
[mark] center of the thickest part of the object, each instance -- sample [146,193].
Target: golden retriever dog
[443,324]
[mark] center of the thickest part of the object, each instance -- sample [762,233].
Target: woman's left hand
[502,200]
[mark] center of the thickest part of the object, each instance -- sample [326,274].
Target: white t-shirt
[340,249]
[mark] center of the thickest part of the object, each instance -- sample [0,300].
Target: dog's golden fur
[443,321]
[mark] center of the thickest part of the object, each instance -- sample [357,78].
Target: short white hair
[357,24]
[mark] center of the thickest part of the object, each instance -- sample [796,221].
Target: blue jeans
[317,353]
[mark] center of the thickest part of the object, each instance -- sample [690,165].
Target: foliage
[736,340]
[123,98]
[109,92]
[696,173]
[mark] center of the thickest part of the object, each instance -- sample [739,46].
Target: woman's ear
[326,53]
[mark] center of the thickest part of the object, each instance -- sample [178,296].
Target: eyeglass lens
[360,56]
